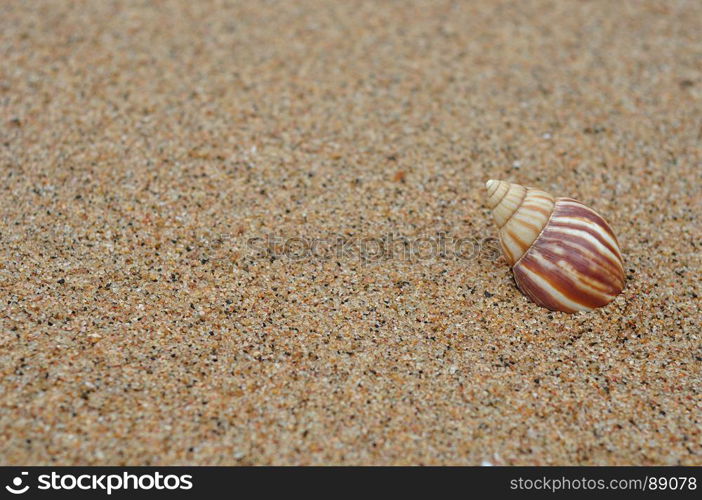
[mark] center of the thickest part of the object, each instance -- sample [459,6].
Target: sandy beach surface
[256,232]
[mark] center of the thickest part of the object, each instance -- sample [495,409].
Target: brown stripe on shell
[587,236]
[581,276]
[536,208]
[505,251]
[516,208]
[523,245]
[501,197]
[536,292]
[583,252]
[590,272]
[569,284]
[573,208]
[540,197]
[560,223]
[522,222]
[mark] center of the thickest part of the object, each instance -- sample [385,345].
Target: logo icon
[17,482]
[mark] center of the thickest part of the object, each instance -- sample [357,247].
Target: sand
[256,232]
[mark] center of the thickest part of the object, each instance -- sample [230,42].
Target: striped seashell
[564,255]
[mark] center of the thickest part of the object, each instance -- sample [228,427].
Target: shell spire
[563,254]
[521,213]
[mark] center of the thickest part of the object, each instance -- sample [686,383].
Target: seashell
[563,254]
